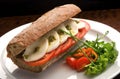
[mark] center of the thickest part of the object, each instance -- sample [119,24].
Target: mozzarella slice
[63,36]
[36,51]
[54,40]
[72,26]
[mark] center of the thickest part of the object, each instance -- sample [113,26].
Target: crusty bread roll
[38,28]
[42,25]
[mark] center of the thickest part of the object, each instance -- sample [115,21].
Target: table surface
[110,17]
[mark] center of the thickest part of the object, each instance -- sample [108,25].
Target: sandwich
[44,41]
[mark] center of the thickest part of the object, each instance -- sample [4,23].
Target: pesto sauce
[60,32]
[26,56]
[51,38]
[68,27]
[36,49]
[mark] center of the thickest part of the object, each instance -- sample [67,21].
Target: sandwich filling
[52,40]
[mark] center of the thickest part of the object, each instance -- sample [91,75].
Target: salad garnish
[92,56]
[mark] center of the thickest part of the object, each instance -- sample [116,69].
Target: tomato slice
[58,51]
[81,63]
[42,61]
[71,62]
[67,44]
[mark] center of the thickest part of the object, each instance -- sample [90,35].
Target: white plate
[59,70]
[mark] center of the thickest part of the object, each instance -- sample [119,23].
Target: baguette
[42,25]
[37,29]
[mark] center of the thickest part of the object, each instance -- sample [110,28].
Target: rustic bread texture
[42,25]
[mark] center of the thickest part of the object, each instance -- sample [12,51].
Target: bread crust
[42,25]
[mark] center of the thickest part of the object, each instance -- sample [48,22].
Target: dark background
[30,7]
